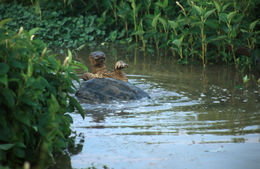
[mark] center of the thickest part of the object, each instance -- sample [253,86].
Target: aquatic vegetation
[58,29]
[35,98]
[190,30]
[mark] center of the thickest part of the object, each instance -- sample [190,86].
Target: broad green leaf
[155,20]
[80,65]
[245,79]
[158,3]
[163,22]
[244,30]
[2,22]
[223,17]
[23,117]
[212,23]
[198,9]
[217,5]
[8,96]
[208,13]
[139,32]
[20,144]
[70,56]
[165,3]
[225,7]
[6,146]
[233,32]
[75,103]
[222,37]
[53,105]
[19,152]
[176,42]
[4,80]
[252,25]
[183,21]
[4,68]
[81,47]
[133,6]
[33,31]
[29,69]
[196,23]
[231,15]
[35,128]
[16,64]
[173,24]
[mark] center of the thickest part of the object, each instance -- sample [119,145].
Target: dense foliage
[213,31]
[35,96]
[56,28]
[35,88]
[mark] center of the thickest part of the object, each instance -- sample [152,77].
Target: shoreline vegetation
[36,88]
[205,32]
[35,98]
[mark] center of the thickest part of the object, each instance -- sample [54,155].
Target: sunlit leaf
[198,9]
[218,38]
[163,22]
[80,65]
[252,25]
[245,79]
[198,23]
[33,31]
[173,24]
[75,103]
[208,13]
[177,42]
[231,15]
[155,20]
[217,5]
[165,3]
[6,146]
[70,56]
[30,68]
[53,105]
[139,32]
[2,22]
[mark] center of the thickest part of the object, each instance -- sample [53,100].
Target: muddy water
[195,119]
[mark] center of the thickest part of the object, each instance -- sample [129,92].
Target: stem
[181,52]
[114,10]
[202,44]
[233,53]
[157,47]
[134,16]
[126,28]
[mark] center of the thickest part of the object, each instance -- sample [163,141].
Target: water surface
[196,119]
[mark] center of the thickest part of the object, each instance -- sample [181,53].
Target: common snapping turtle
[99,70]
[102,86]
[104,90]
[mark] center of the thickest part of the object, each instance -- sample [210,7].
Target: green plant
[204,25]
[55,28]
[35,98]
[203,14]
[134,15]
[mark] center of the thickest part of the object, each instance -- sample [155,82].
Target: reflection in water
[62,160]
[194,119]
